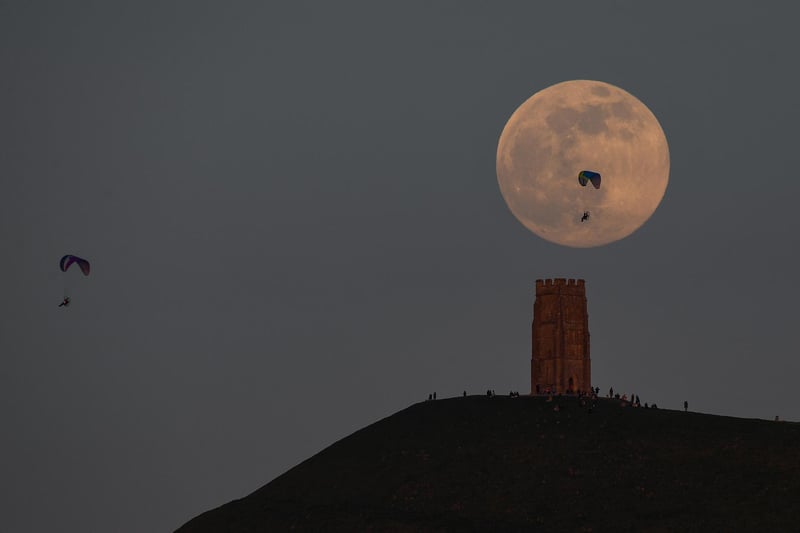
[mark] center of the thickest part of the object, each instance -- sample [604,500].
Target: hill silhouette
[516,464]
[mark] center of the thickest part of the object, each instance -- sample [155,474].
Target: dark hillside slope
[515,464]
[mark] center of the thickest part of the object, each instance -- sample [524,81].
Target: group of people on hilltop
[584,397]
[489,394]
[633,401]
[594,391]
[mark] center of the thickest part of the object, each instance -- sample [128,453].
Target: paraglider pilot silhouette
[66,262]
[585,216]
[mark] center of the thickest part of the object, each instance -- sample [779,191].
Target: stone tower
[560,352]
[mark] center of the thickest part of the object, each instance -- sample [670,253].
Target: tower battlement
[560,285]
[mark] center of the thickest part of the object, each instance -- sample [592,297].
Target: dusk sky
[295,230]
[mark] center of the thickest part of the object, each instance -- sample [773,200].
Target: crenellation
[552,282]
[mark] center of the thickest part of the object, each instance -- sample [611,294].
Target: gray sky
[295,229]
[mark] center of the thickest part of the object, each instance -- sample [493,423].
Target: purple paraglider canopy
[68,260]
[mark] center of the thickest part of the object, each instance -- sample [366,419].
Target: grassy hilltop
[515,464]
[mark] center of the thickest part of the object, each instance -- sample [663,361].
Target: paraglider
[66,262]
[586,176]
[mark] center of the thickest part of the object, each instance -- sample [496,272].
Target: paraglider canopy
[585,176]
[68,260]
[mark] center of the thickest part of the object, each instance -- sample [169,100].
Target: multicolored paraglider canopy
[585,176]
[69,260]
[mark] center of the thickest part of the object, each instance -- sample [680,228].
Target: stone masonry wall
[560,358]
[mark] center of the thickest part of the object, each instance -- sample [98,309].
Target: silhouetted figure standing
[686,407]
[434,395]
[465,394]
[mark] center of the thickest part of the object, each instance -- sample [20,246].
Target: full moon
[577,126]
